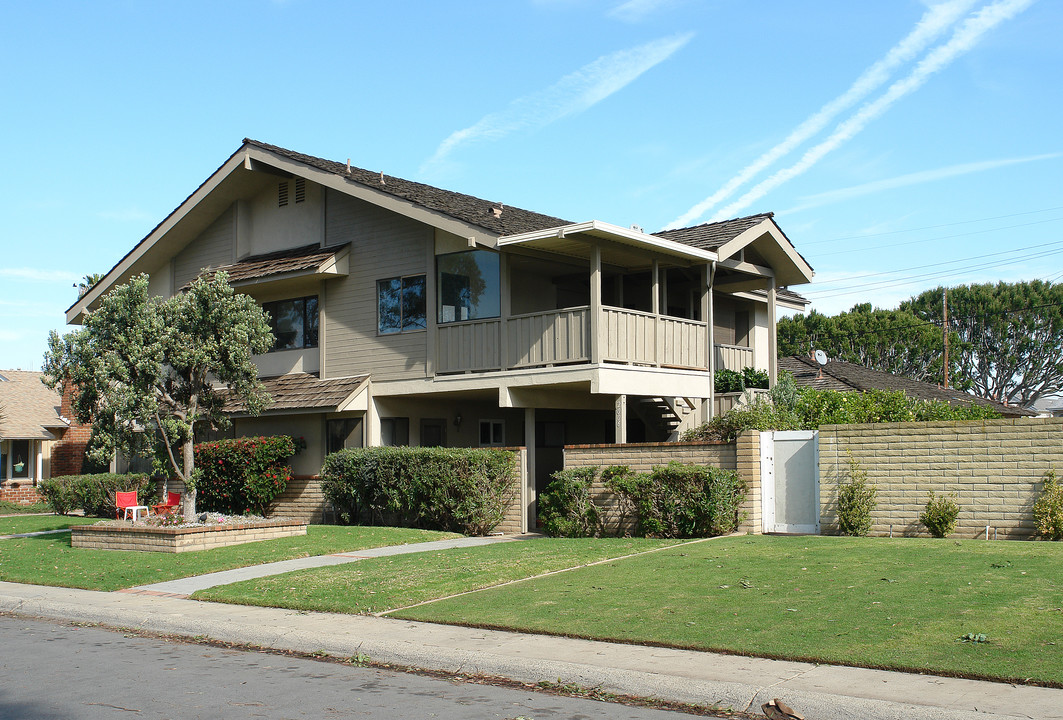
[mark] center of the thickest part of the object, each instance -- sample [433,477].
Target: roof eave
[608,231]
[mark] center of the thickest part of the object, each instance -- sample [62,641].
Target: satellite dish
[821,357]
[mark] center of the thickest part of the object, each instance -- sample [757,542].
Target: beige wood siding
[383,245]
[212,248]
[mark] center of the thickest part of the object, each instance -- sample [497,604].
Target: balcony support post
[708,275]
[620,419]
[773,352]
[505,311]
[596,304]
[655,307]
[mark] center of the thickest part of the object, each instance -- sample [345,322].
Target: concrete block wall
[742,456]
[995,467]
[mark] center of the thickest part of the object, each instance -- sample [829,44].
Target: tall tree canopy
[141,364]
[1005,340]
[1009,337]
[894,341]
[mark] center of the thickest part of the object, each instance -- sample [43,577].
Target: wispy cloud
[571,95]
[39,275]
[634,11]
[966,37]
[934,22]
[125,215]
[916,178]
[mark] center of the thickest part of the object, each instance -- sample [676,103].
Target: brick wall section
[995,467]
[176,540]
[742,456]
[68,452]
[20,494]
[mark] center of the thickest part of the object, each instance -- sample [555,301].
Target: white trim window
[492,433]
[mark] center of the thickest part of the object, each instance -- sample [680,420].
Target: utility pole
[945,329]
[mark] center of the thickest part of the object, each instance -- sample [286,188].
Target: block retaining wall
[995,467]
[176,540]
[742,456]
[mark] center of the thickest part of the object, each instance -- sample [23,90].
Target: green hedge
[95,494]
[243,475]
[463,490]
[671,501]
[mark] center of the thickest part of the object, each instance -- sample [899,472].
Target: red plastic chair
[173,501]
[126,503]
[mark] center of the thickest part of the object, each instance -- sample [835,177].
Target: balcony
[563,337]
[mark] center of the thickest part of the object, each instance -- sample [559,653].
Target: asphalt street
[55,671]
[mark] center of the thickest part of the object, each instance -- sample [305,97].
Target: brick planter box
[175,539]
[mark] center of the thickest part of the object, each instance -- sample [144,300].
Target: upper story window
[401,304]
[469,286]
[293,322]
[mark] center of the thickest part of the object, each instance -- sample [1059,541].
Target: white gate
[789,481]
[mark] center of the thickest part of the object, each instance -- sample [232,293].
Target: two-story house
[408,314]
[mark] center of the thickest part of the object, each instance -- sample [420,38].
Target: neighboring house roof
[28,407]
[308,258]
[305,391]
[848,377]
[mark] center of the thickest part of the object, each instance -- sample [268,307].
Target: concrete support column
[620,419]
[372,422]
[530,507]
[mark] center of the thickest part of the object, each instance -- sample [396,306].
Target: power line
[898,282]
[943,237]
[931,227]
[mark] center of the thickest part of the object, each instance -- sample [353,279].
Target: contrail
[965,38]
[936,20]
[572,94]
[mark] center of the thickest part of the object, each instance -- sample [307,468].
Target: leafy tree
[88,281]
[145,368]
[1009,337]
[893,341]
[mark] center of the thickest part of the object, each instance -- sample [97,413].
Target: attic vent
[300,189]
[282,194]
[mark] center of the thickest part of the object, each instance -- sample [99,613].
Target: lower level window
[343,433]
[395,431]
[492,433]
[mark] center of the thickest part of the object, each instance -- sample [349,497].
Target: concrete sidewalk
[742,684]
[189,585]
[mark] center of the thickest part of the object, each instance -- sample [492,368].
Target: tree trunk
[188,458]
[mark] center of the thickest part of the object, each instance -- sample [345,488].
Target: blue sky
[901,144]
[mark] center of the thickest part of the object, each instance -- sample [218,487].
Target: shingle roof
[846,376]
[473,210]
[303,391]
[28,407]
[307,257]
[710,236]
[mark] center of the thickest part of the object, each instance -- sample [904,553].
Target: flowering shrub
[244,475]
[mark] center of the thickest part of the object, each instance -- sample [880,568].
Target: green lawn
[378,584]
[901,603]
[16,524]
[10,508]
[49,559]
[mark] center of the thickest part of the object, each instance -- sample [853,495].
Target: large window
[401,304]
[293,322]
[343,433]
[395,431]
[468,286]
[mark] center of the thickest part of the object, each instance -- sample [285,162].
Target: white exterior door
[789,466]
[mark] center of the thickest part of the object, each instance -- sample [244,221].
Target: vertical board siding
[733,357]
[682,343]
[213,247]
[383,244]
[468,346]
[547,338]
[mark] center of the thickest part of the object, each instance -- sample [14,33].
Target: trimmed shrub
[856,501]
[732,381]
[940,515]
[1048,509]
[676,501]
[463,490]
[566,508]
[95,494]
[243,475]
